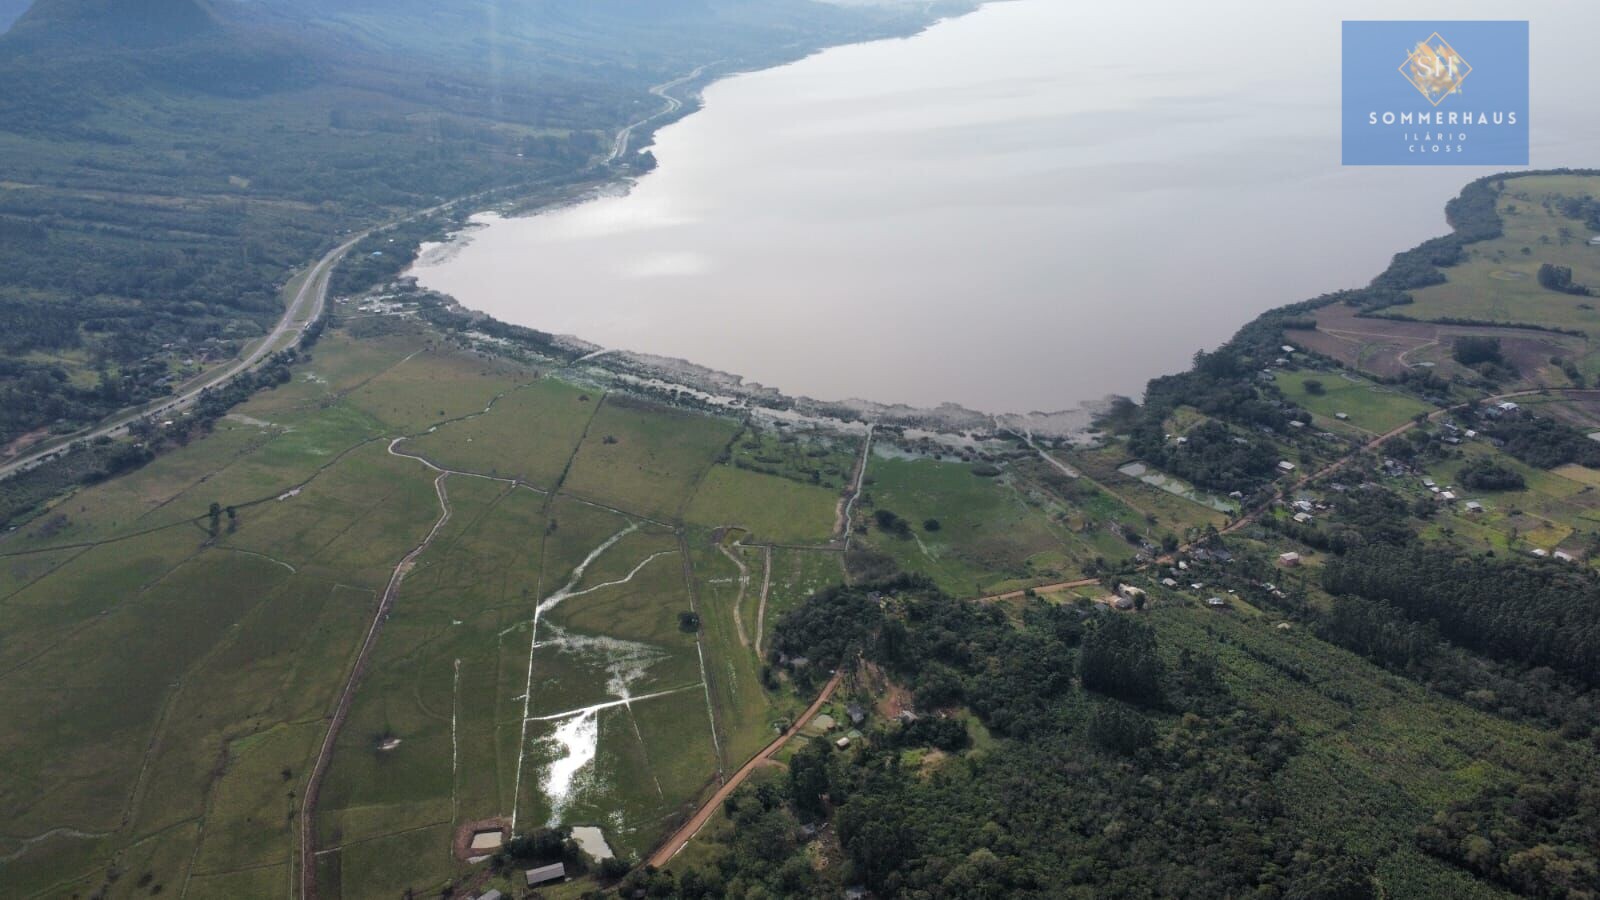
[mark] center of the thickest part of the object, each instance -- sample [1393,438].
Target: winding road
[619,147]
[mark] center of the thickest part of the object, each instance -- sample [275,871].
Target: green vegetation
[560,604]
[1373,408]
[773,510]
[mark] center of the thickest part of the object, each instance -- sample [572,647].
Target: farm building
[1289,560]
[545,874]
[487,839]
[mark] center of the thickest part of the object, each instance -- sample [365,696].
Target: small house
[1564,556]
[1170,582]
[1216,602]
[856,713]
[1286,348]
[1429,482]
[1130,592]
[1447,496]
[1302,517]
[843,743]
[1474,506]
[1296,423]
[491,894]
[1507,406]
[1285,466]
[1343,417]
[1289,560]
[1595,241]
[546,874]
[1540,552]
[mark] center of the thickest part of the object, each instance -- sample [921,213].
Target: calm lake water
[1024,208]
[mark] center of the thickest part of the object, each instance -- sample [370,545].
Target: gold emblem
[1435,69]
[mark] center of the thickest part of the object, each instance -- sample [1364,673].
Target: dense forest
[1117,774]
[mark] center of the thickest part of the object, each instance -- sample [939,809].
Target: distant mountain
[122,22]
[11,10]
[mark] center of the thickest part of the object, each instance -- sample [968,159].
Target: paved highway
[304,308]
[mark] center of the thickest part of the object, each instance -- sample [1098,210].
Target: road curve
[682,836]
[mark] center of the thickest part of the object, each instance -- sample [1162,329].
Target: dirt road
[681,837]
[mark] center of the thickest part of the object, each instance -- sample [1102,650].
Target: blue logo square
[1435,94]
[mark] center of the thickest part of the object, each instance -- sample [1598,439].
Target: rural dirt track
[681,837]
[341,710]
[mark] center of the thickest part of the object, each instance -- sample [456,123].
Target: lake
[1024,208]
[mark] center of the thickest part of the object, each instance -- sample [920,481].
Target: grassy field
[530,434]
[990,535]
[183,754]
[1372,408]
[646,459]
[771,509]
[1498,280]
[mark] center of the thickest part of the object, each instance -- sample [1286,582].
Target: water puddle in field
[579,739]
[592,840]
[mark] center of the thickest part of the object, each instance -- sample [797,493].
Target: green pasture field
[772,509]
[646,459]
[529,434]
[990,535]
[1498,281]
[796,575]
[1370,407]
[745,708]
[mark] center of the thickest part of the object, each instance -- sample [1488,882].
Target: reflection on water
[1024,208]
